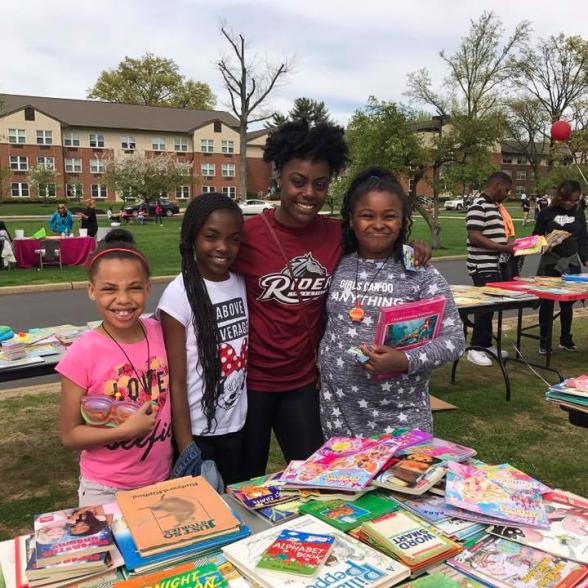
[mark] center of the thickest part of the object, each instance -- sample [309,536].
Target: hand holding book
[383,359]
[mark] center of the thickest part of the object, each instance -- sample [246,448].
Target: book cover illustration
[407,437]
[297,552]
[205,576]
[255,497]
[471,488]
[345,515]
[441,449]
[345,463]
[280,512]
[441,580]
[175,512]
[566,537]
[430,507]
[412,474]
[409,325]
[71,533]
[226,568]
[350,562]
[511,478]
[507,564]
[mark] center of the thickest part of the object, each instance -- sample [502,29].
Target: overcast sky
[343,51]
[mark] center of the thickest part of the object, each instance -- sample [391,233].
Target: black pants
[295,418]
[227,452]
[566,314]
[482,331]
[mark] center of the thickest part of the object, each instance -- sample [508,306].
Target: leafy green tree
[146,177]
[41,178]
[304,109]
[151,81]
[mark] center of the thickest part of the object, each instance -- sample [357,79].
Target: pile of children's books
[571,393]
[539,243]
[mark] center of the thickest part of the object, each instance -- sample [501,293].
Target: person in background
[89,220]
[564,213]
[61,222]
[526,206]
[158,213]
[487,240]
[141,216]
[6,252]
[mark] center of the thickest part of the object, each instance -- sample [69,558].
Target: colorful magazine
[441,449]
[471,488]
[505,564]
[441,580]
[407,437]
[345,463]
[409,325]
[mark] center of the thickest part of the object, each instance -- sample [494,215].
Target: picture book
[71,533]
[297,552]
[205,576]
[441,449]
[441,580]
[345,463]
[226,568]
[254,497]
[152,579]
[407,437]
[429,507]
[409,325]
[175,513]
[412,474]
[408,259]
[462,580]
[409,538]
[566,498]
[566,537]
[506,564]
[350,562]
[510,477]
[472,488]
[529,245]
[345,515]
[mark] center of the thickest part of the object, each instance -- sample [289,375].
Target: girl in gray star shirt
[376,223]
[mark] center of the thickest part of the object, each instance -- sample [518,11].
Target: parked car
[455,204]
[167,208]
[254,206]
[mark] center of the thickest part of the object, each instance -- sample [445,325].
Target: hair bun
[119,236]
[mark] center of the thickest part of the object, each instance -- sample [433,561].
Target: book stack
[412,474]
[171,522]
[571,393]
[67,546]
[408,539]
[349,562]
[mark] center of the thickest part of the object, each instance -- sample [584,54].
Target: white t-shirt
[230,303]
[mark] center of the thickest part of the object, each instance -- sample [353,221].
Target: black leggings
[295,418]
[227,452]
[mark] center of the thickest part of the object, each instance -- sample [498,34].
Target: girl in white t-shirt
[205,325]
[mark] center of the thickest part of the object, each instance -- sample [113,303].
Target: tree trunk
[431,220]
[243,160]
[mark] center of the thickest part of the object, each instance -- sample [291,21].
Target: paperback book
[441,580]
[412,474]
[350,563]
[441,449]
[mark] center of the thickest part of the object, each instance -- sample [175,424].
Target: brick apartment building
[76,137]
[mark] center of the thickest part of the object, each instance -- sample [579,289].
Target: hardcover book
[297,552]
[505,564]
[205,576]
[175,513]
[350,563]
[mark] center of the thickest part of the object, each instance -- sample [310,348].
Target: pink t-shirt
[96,363]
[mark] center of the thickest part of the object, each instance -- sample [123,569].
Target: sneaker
[479,357]
[503,353]
[569,346]
[544,351]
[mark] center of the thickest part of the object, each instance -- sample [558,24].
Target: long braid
[203,315]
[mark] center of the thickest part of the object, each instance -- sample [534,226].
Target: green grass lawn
[39,475]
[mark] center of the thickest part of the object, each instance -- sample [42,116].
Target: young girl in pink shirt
[121,361]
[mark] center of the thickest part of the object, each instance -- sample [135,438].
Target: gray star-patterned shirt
[351,402]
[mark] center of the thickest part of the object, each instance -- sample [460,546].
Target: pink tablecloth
[74,250]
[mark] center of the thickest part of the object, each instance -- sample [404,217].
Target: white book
[350,563]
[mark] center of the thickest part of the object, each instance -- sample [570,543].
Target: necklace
[147,376]
[357,313]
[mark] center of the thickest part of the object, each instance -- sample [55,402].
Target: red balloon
[561,130]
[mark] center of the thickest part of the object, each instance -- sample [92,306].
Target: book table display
[74,250]
[400,509]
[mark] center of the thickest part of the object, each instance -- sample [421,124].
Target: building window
[19,189]
[183,193]
[158,143]
[96,140]
[71,139]
[46,162]
[208,169]
[228,170]
[97,166]
[228,146]
[520,189]
[19,163]
[218,127]
[128,143]
[230,191]
[206,145]
[506,159]
[73,166]
[180,144]
[47,190]
[17,136]
[208,189]
[521,175]
[99,191]
[410,185]
[29,113]
[521,160]
[44,137]
[74,191]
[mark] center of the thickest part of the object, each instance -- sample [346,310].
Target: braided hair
[321,142]
[203,315]
[374,179]
[117,244]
